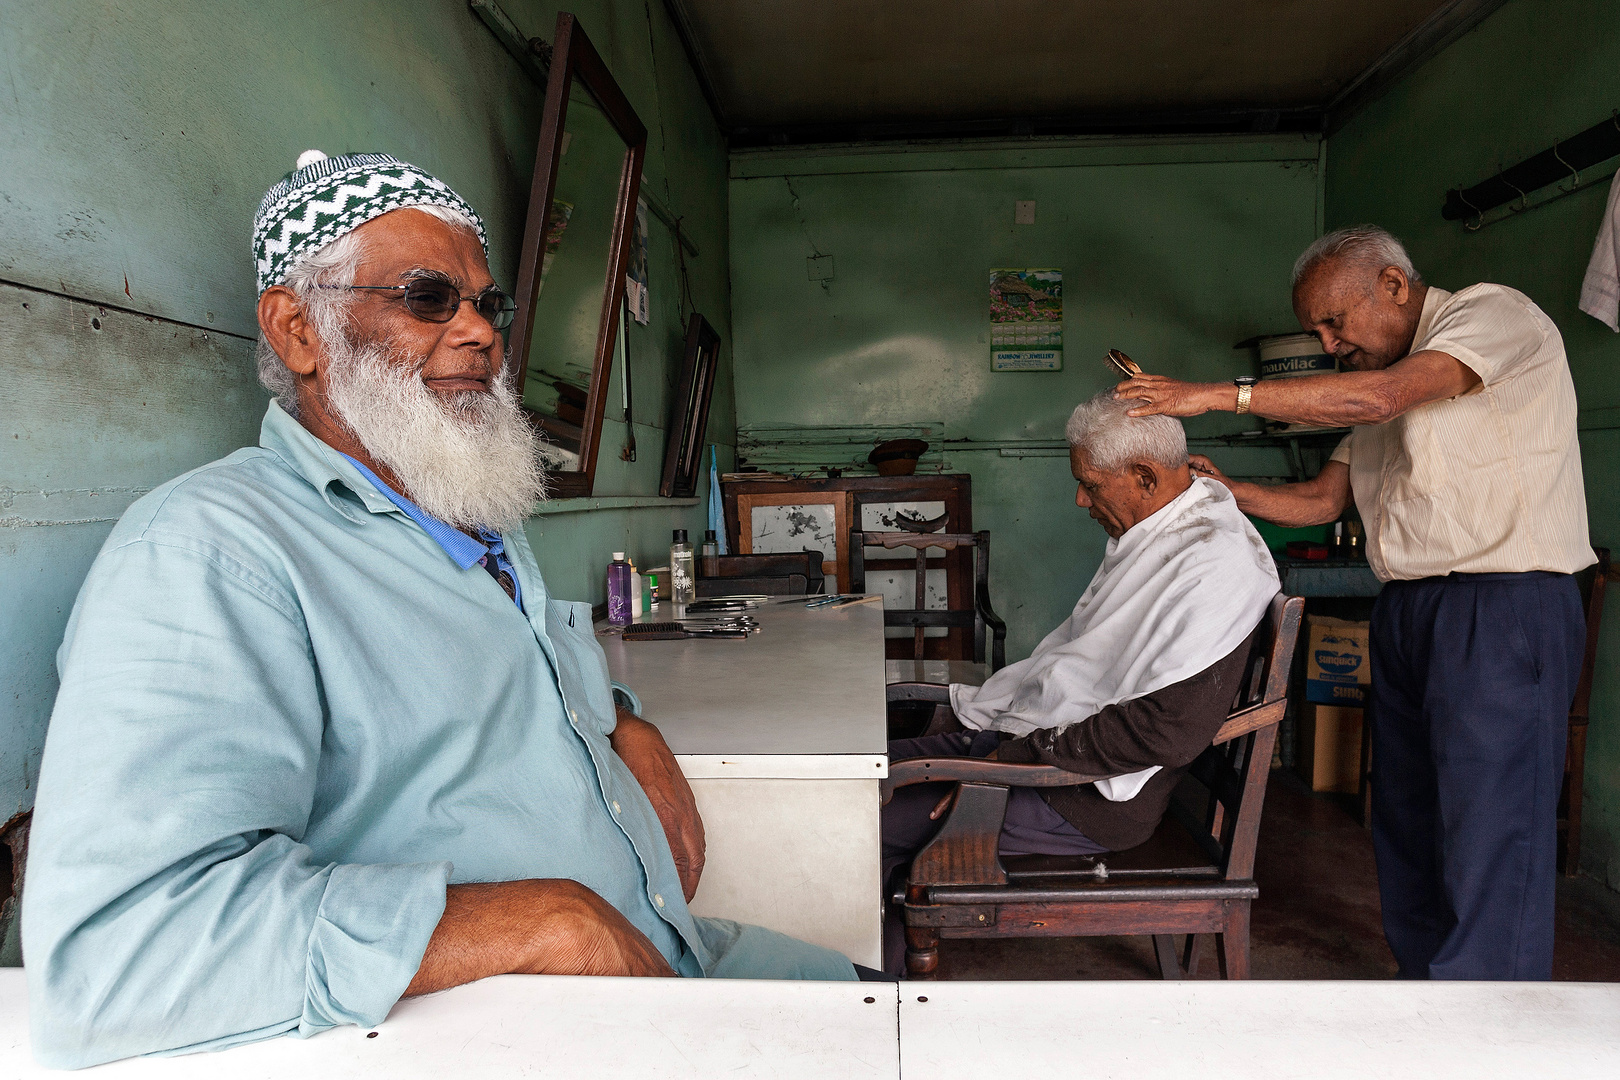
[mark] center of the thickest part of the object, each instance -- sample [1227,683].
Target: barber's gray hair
[312,280]
[1360,245]
[1114,441]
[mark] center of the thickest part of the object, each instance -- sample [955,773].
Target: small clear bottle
[618,585]
[709,555]
[682,586]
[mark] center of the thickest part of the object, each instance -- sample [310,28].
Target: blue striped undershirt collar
[463,550]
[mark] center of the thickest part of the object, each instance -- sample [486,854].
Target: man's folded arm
[170,903]
[1168,727]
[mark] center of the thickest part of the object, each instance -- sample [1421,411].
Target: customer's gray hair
[1114,441]
[1360,245]
[318,280]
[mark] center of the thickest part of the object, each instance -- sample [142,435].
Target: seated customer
[323,739]
[1137,681]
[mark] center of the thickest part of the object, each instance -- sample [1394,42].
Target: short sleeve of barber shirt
[1488,482]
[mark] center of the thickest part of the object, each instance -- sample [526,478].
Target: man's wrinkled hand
[642,748]
[583,934]
[1202,466]
[1166,396]
[551,926]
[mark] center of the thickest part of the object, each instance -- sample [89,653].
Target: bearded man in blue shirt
[323,740]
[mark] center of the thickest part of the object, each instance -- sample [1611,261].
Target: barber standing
[1464,464]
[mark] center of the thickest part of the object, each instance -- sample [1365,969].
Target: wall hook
[1524,200]
[1576,172]
[1479,215]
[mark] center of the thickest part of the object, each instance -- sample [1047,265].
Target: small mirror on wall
[576,248]
[689,419]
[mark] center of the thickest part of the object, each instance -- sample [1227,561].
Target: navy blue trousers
[1472,679]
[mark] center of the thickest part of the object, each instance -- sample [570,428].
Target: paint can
[1291,356]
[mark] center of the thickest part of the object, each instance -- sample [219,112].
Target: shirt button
[615,808]
[658,899]
[574,716]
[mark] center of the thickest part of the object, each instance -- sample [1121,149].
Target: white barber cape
[1177,592]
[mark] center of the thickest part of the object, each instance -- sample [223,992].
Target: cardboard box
[1337,665]
[1330,748]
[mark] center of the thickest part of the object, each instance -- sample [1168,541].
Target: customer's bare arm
[1317,501]
[551,927]
[642,747]
[1345,399]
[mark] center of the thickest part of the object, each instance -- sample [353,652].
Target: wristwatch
[1245,387]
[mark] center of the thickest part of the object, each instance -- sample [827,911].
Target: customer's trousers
[1472,679]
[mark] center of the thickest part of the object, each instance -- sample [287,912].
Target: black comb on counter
[673,631]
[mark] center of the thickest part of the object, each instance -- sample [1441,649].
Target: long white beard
[470,459]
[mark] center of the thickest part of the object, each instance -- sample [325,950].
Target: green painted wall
[1171,250]
[1530,75]
[137,142]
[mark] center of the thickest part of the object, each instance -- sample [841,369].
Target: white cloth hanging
[1600,292]
[1177,592]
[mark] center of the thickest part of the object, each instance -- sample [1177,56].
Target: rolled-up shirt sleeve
[170,903]
[1491,330]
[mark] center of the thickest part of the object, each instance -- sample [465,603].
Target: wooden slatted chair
[960,887]
[980,616]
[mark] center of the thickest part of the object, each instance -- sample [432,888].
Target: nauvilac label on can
[1291,355]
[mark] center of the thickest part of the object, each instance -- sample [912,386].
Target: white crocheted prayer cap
[326,197]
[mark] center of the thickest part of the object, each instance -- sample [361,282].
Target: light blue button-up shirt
[287,720]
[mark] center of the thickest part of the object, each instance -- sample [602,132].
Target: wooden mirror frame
[689,419]
[574,55]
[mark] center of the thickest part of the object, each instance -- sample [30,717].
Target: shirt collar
[463,549]
[320,465]
[1431,307]
[324,467]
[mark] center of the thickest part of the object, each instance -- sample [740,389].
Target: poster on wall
[1026,319]
[635,278]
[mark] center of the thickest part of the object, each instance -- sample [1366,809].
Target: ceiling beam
[1183,122]
[1448,23]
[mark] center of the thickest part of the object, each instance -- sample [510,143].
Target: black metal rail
[1562,161]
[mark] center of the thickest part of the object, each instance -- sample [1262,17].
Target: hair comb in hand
[1124,365]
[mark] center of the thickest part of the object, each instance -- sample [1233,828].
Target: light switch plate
[1023,211]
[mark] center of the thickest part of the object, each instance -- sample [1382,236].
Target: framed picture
[689,417]
[783,521]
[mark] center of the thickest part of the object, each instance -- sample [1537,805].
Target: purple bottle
[619,590]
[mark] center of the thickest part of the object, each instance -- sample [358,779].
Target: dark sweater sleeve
[1169,727]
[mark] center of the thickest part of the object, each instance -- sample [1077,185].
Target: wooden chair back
[1236,766]
[980,616]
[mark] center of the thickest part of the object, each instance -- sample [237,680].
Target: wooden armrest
[976,771]
[1253,718]
[938,693]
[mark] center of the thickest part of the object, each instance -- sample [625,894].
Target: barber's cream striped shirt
[1489,482]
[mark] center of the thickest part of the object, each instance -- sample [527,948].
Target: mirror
[689,412]
[576,248]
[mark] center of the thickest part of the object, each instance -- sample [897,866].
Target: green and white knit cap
[326,197]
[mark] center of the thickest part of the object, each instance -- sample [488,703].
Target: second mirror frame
[573,56]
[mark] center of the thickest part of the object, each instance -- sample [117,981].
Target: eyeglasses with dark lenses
[438,301]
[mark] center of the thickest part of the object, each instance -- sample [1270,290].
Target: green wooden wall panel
[1172,261]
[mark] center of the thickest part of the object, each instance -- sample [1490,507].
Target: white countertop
[1261,1030]
[809,685]
[536,1025]
[605,1029]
